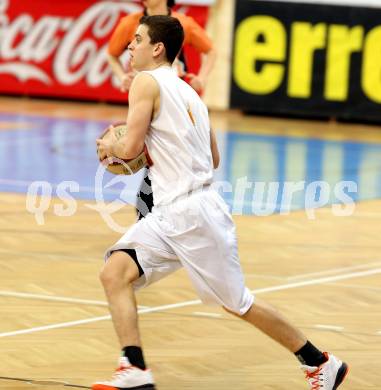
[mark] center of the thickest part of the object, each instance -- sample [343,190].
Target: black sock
[135,356]
[310,355]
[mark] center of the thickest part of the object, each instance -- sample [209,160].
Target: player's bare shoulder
[145,88]
[145,85]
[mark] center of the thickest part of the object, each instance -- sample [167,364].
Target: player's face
[141,50]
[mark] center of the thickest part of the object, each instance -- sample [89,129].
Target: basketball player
[195,36]
[189,226]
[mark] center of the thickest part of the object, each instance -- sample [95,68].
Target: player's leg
[126,270]
[214,269]
[117,276]
[323,371]
[271,322]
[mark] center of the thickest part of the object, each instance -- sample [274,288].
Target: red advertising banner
[59,48]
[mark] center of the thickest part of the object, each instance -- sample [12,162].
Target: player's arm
[116,47]
[203,44]
[214,148]
[142,97]
[208,60]
[116,66]
[124,77]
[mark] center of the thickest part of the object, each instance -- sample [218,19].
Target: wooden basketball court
[323,273]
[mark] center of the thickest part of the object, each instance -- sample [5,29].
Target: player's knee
[109,278]
[113,277]
[112,280]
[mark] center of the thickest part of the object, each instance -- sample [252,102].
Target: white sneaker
[328,376]
[127,377]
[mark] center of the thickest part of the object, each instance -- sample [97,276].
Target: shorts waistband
[194,191]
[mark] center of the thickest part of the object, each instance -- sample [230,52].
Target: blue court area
[258,175]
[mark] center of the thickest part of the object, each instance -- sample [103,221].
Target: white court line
[311,282]
[313,274]
[209,315]
[60,256]
[334,270]
[330,327]
[267,277]
[197,301]
[14,294]
[94,319]
[358,286]
[55,326]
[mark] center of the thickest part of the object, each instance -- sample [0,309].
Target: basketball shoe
[328,376]
[127,377]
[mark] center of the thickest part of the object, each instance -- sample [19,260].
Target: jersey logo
[191,116]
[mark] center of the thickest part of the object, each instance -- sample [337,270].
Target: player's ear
[158,49]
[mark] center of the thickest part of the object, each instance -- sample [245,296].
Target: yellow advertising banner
[309,59]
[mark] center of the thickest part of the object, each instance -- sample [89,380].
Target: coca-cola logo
[71,43]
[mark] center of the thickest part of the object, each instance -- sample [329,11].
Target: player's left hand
[127,81]
[196,82]
[105,147]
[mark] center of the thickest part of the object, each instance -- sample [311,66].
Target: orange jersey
[194,34]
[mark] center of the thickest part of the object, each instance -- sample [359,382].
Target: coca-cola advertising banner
[59,48]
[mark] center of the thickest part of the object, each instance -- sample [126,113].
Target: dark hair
[167,30]
[170,3]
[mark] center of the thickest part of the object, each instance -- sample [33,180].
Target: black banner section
[307,59]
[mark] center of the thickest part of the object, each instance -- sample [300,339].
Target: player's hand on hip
[196,82]
[127,81]
[180,67]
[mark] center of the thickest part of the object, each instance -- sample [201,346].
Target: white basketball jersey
[178,140]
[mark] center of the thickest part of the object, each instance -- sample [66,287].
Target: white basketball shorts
[196,233]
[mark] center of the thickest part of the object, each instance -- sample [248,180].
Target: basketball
[119,166]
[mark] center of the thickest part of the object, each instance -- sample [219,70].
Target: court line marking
[288,286]
[103,303]
[329,327]
[335,270]
[14,294]
[311,282]
[268,277]
[50,257]
[55,326]
[356,286]
[204,314]
[43,382]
